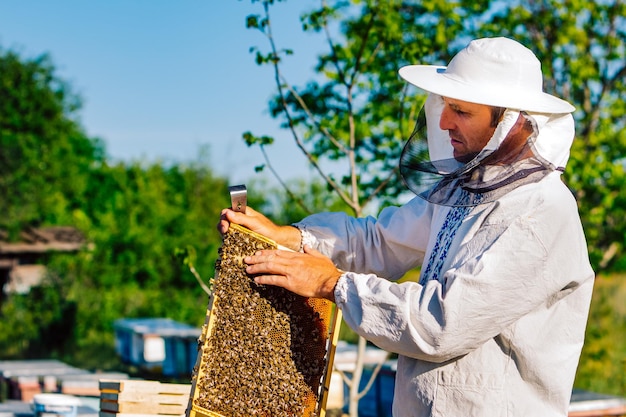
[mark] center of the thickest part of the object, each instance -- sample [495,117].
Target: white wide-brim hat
[497,72]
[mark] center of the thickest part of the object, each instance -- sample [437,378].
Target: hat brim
[434,79]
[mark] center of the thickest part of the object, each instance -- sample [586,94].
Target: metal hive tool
[264,351]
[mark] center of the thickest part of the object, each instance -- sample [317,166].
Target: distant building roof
[43,239]
[19,266]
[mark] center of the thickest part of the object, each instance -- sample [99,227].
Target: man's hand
[309,274]
[287,236]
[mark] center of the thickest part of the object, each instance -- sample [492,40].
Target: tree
[44,153]
[356,111]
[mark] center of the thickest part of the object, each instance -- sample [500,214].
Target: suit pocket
[469,395]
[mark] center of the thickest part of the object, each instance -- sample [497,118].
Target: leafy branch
[187,257]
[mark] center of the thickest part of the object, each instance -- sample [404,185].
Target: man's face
[469,127]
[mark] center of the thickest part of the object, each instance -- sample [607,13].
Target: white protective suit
[499,329]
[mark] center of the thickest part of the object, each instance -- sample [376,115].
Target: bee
[264,353]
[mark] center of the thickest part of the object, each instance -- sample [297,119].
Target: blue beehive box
[377,402]
[157,344]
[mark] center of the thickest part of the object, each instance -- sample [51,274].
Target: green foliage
[140,216]
[43,151]
[134,217]
[141,212]
[39,322]
[187,256]
[307,198]
[603,361]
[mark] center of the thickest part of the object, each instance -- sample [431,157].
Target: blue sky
[161,79]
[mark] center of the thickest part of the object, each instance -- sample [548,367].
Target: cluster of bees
[264,353]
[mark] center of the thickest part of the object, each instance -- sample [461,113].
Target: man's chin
[463,158]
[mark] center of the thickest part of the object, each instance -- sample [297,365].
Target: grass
[602,365]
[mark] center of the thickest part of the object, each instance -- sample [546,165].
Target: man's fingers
[279,280]
[228,216]
[269,255]
[271,265]
[274,262]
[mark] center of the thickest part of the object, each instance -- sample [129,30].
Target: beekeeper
[496,324]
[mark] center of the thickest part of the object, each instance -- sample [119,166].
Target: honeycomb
[264,351]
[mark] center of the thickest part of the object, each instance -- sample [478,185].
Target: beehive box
[22,379]
[126,398]
[157,344]
[264,351]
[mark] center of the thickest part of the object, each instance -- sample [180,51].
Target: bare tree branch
[299,143]
[293,196]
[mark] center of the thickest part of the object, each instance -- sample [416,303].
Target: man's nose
[445,122]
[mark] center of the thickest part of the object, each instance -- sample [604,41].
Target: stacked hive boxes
[142,398]
[23,379]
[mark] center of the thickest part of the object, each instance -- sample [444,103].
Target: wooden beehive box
[263,351]
[142,398]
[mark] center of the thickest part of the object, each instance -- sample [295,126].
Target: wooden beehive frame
[331,322]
